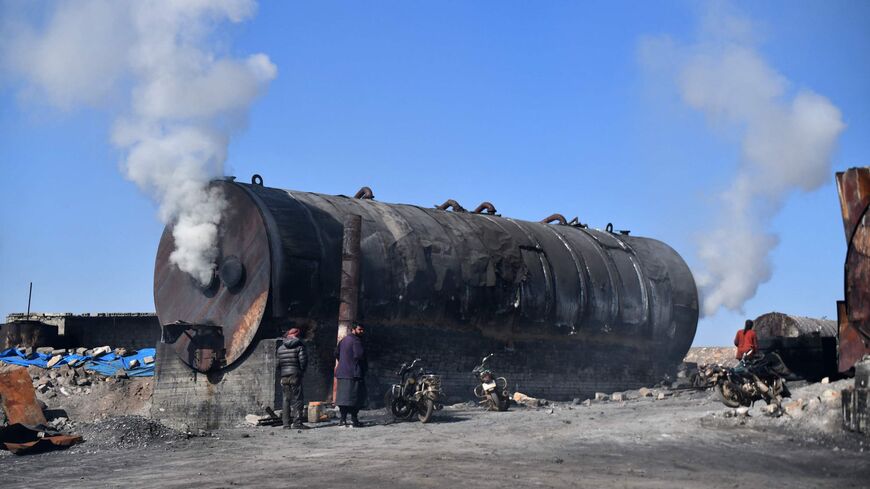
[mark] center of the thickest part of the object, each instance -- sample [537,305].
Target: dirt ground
[682,441]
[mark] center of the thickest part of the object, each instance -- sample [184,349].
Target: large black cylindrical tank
[554,299]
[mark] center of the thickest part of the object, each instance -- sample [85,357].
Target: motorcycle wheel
[388,401]
[504,402]
[401,409]
[727,395]
[494,402]
[425,408]
[478,391]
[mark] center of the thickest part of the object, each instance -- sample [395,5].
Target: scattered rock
[826,380]
[644,392]
[794,408]
[525,400]
[54,360]
[831,397]
[600,396]
[661,396]
[617,396]
[771,410]
[148,359]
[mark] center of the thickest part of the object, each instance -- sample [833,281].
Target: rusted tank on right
[853,312]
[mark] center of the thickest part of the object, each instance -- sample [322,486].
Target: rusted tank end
[214,325]
[853,186]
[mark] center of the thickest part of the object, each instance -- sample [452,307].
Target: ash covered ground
[686,439]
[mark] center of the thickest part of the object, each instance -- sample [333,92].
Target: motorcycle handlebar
[405,367]
[482,365]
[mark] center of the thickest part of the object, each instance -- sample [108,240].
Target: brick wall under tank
[544,369]
[556,370]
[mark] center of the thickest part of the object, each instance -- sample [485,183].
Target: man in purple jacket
[350,374]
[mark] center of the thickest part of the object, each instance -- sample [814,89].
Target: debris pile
[707,355]
[126,432]
[814,409]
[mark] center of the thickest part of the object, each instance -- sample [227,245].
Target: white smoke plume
[787,140]
[177,101]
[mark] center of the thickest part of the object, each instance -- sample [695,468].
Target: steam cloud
[787,142]
[181,101]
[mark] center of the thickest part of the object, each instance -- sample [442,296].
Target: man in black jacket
[292,362]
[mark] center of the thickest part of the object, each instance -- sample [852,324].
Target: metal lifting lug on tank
[469,274]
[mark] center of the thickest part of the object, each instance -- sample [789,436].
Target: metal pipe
[364,193]
[484,206]
[29,295]
[450,203]
[555,218]
[349,292]
[576,223]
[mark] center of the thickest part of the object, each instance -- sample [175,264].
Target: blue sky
[538,108]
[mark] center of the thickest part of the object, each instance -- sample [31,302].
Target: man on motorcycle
[746,341]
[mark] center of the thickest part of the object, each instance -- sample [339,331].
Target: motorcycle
[491,391]
[755,378]
[418,392]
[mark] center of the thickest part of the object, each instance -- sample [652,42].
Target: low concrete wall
[128,330]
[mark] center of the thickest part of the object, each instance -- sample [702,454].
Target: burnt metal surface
[854,321]
[808,346]
[236,309]
[483,275]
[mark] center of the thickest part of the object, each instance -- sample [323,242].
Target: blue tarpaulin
[107,364]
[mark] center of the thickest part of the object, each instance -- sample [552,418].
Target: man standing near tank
[350,375]
[292,362]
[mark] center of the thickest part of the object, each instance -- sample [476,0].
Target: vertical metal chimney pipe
[349,293]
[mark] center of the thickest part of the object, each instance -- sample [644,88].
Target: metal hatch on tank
[467,274]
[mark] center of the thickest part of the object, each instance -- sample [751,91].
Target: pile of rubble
[66,381]
[708,355]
